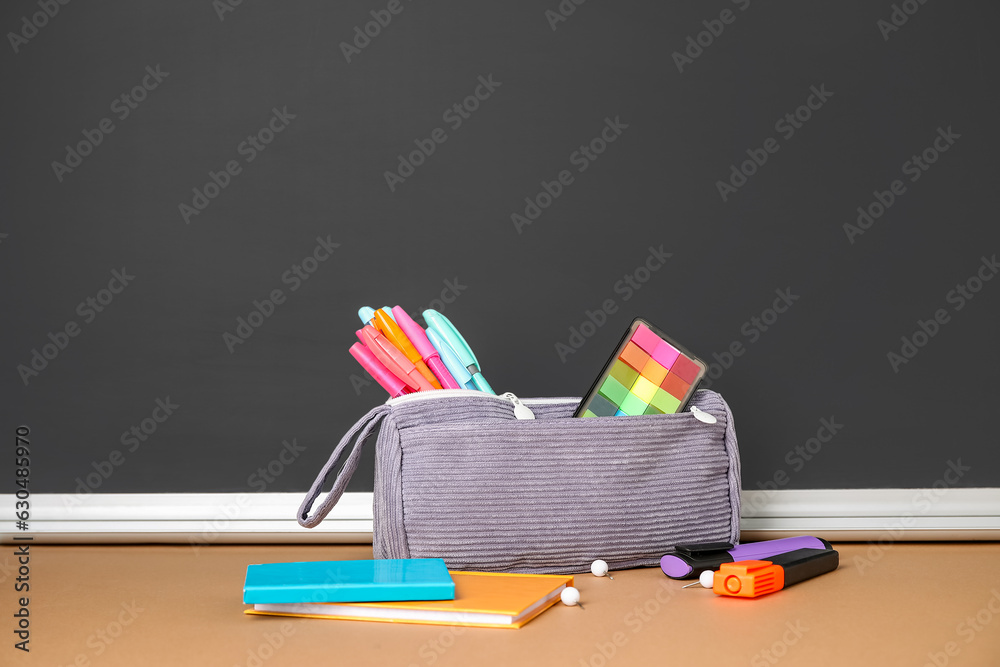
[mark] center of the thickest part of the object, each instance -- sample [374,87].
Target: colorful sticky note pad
[644,389]
[613,390]
[634,356]
[624,373]
[675,386]
[654,371]
[633,405]
[649,374]
[665,401]
[646,339]
[685,368]
[666,354]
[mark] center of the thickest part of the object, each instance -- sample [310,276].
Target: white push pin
[571,597]
[600,569]
[705,579]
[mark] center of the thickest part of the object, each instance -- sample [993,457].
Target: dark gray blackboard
[885,82]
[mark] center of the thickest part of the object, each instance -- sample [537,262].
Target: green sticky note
[633,405]
[665,402]
[613,390]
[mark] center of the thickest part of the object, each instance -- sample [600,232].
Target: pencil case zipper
[521,409]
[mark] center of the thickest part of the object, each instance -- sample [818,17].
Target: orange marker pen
[395,335]
[754,578]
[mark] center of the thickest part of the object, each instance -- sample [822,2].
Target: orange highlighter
[395,335]
[754,578]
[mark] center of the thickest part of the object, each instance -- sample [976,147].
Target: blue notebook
[389,580]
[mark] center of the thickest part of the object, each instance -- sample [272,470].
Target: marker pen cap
[393,359]
[388,327]
[414,332]
[377,370]
[444,328]
[748,579]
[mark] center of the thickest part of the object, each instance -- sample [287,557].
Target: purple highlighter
[690,560]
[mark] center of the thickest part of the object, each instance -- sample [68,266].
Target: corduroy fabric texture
[462,479]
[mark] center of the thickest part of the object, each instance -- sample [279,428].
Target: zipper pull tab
[521,411]
[703,416]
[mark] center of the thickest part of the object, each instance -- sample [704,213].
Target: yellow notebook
[482,599]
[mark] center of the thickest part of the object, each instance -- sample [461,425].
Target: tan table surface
[898,604]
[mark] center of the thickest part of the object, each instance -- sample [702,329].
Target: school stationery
[481,599]
[393,359]
[648,374]
[394,334]
[487,491]
[423,345]
[690,560]
[348,581]
[754,578]
[443,327]
[451,361]
[367,314]
[377,370]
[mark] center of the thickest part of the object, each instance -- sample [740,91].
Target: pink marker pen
[394,360]
[427,351]
[389,382]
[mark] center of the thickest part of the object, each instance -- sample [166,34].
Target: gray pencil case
[459,476]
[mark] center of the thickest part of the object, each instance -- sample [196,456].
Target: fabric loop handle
[365,425]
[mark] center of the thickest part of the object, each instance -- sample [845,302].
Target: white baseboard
[873,514]
[199,519]
[203,519]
